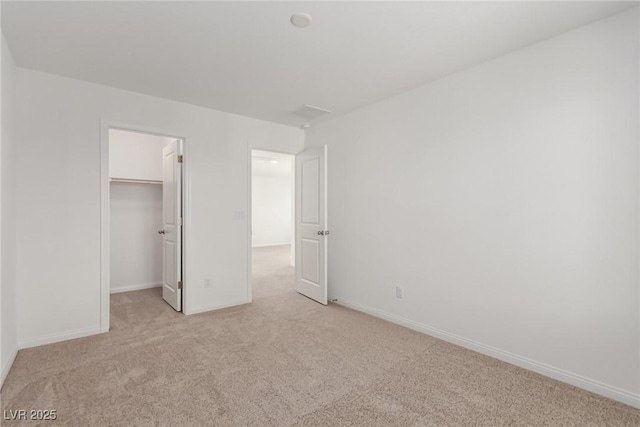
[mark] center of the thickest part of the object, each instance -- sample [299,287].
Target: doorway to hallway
[272,223]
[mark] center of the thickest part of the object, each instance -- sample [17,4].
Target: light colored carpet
[283,360]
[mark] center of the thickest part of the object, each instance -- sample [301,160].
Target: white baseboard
[50,339]
[271,244]
[228,304]
[594,386]
[7,367]
[137,287]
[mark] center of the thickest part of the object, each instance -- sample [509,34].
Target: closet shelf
[135,181]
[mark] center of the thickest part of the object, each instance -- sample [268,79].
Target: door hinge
[180,158]
[180,222]
[179,284]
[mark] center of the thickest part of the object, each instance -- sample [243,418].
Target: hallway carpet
[283,360]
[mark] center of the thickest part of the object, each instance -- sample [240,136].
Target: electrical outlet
[207,283]
[399,292]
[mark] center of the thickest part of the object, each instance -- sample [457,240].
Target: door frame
[250,210]
[105,212]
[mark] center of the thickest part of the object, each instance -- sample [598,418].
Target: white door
[311,224]
[172,225]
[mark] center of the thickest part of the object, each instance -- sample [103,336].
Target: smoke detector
[301,20]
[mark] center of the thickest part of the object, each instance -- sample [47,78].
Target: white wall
[504,199]
[58,198]
[8,315]
[136,246]
[271,210]
[134,155]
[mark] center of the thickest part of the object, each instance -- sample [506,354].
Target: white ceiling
[246,57]
[271,164]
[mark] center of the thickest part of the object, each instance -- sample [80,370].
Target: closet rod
[135,181]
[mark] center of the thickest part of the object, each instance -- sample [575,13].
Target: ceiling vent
[310,112]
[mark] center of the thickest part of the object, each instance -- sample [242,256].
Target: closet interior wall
[135,170]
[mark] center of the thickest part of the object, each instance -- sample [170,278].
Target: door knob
[323,233]
[161,232]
